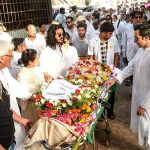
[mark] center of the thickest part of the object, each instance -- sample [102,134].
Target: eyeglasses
[138,17]
[9,55]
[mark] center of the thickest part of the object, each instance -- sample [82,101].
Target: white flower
[73,80]
[81,92]
[87,95]
[80,80]
[55,102]
[76,82]
[96,86]
[37,103]
[89,88]
[93,90]
[64,105]
[42,101]
[79,97]
[70,103]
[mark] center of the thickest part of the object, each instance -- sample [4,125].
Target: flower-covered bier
[78,109]
[88,73]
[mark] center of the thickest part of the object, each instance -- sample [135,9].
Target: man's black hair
[106,27]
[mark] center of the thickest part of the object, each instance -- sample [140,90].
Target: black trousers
[111,101]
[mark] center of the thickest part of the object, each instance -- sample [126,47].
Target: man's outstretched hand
[110,82]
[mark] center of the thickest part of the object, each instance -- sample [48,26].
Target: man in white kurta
[33,40]
[139,67]
[51,59]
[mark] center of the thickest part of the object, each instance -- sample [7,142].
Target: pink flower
[79,128]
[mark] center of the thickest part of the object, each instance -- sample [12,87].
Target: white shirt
[113,47]
[38,43]
[72,33]
[51,61]
[128,41]
[70,56]
[121,30]
[15,89]
[44,35]
[15,67]
[61,18]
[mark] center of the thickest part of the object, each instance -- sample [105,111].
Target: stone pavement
[121,137]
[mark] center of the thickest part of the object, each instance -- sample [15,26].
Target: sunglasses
[60,35]
[138,17]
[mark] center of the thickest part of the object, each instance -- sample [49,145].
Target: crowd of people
[113,37]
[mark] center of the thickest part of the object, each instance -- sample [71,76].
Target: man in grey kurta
[80,42]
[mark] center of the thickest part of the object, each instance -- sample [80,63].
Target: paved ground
[121,137]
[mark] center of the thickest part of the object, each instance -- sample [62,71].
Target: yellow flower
[82,120]
[88,109]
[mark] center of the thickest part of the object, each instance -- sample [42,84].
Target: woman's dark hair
[67,36]
[50,39]
[17,41]
[27,55]
[108,16]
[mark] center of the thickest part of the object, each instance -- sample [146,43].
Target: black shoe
[112,117]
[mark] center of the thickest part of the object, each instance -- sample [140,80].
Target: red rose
[49,105]
[87,62]
[96,63]
[77,92]
[70,77]
[38,97]
[77,71]
[63,101]
[89,71]
[74,99]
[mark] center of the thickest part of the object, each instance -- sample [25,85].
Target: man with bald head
[33,40]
